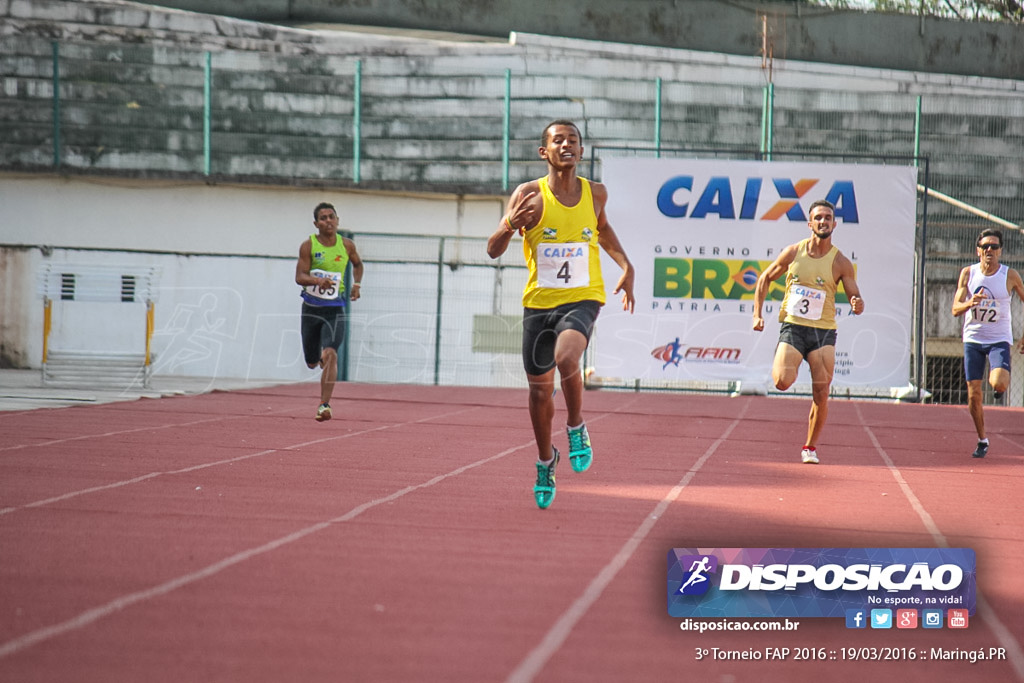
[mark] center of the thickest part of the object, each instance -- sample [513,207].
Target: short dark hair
[991,232]
[544,137]
[321,206]
[822,202]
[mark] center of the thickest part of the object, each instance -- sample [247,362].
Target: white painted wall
[228,305]
[191,218]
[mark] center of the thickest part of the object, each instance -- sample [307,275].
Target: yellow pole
[149,329]
[47,314]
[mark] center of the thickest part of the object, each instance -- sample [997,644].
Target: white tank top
[989,321]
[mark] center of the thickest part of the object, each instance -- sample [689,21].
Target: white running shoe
[809,456]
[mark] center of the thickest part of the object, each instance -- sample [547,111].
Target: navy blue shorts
[998,356]
[541,327]
[806,339]
[322,327]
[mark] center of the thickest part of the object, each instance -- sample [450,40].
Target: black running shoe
[981,451]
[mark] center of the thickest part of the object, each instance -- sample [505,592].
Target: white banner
[700,232]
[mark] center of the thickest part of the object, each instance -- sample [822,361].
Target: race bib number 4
[805,302]
[330,293]
[565,265]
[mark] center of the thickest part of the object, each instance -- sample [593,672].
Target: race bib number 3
[565,265]
[805,302]
[331,293]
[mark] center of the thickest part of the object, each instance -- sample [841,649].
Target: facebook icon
[856,618]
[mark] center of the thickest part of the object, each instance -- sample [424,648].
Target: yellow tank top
[810,298]
[562,253]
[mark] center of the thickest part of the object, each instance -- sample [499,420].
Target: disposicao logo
[696,580]
[818,582]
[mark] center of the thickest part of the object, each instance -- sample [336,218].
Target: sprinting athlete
[814,270]
[983,294]
[320,271]
[563,222]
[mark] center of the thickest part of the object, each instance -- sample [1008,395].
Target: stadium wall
[794,30]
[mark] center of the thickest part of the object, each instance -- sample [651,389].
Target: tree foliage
[966,10]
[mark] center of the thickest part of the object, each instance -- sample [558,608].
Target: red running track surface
[230,537]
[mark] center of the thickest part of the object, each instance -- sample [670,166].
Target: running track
[229,537]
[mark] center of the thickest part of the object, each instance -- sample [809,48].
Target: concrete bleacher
[282,103]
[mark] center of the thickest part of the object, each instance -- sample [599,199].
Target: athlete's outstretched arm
[609,241]
[765,279]
[963,301]
[521,214]
[848,277]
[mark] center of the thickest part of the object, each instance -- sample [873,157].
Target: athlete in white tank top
[983,297]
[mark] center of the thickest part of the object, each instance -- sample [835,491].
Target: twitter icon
[881,618]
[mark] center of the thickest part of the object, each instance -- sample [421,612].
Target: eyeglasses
[989,246]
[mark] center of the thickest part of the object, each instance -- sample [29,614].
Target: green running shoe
[544,489]
[581,455]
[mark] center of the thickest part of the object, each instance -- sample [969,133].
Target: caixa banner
[700,232]
[817,582]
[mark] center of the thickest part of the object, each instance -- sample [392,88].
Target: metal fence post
[921,289]
[207,80]
[56,103]
[657,117]
[506,134]
[917,131]
[766,121]
[437,320]
[357,120]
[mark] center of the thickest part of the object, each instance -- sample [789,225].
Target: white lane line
[557,635]
[1013,649]
[217,463]
[135,430]
[95,614]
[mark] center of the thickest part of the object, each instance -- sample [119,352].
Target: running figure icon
[697,573]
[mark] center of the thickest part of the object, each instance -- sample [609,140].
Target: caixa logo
[717,197]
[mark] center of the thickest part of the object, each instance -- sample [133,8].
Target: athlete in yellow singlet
[814,269]
[562,220]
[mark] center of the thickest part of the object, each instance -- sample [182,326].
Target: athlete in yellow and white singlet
[562,252]
[562,220]
[814,269]
[810,298]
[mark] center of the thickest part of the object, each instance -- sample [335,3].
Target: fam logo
[717,197]
[670,354]
[696,580]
